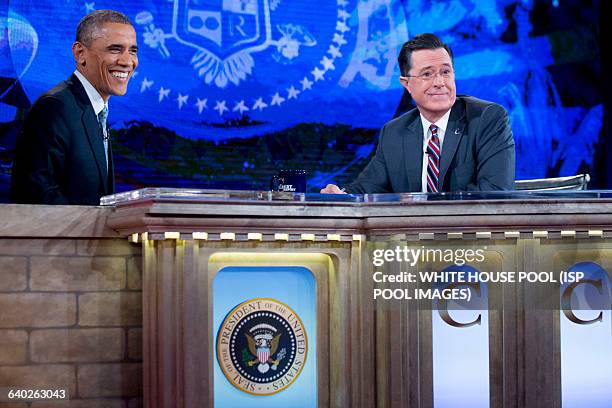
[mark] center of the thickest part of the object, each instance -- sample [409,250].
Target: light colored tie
[433,163]
[102,117]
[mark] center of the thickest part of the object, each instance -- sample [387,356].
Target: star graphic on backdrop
[327,63]
[292,93]
[220,107]
[163,93]
[240,107]
[201,104]
[342,2]
[182,99]
[334,51]
[89,7]
[318,74]
[146,84]
[343,14]
[277,100]
[342,27]
[306,84]
[339,39]
[259,104]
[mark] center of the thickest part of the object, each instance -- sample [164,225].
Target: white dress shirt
[97,103]
[442,123]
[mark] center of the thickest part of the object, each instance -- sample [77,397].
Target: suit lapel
[413,153]
[111,167]
[452,137]
[92,128]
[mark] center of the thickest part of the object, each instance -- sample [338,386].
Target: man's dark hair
[425,41]
[95,20]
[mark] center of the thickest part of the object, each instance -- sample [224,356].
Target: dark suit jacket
[477,153]
[60,152]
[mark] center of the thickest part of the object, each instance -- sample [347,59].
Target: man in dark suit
[64,154]
[447,143]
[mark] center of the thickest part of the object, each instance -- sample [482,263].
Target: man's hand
[332,189]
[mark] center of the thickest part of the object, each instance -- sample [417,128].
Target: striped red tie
[433,164]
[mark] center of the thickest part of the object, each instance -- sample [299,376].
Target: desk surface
[185,210]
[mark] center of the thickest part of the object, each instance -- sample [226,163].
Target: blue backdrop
[229,91]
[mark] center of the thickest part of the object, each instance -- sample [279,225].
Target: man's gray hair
[94,21]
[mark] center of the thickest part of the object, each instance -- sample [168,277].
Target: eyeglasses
[427,76]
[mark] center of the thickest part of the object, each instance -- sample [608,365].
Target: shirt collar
[94,96]
[442,123]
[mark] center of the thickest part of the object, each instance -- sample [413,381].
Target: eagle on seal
[263,350]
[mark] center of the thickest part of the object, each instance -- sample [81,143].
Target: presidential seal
[262,346]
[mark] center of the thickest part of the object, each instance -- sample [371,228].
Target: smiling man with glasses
[448,143]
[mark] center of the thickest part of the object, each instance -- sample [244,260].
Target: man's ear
[405,82]
[78,50]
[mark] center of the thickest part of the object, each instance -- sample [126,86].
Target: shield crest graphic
[263,354]
[222,27]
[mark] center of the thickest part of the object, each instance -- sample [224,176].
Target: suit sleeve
[495,152]
[41,155]
[374,179]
